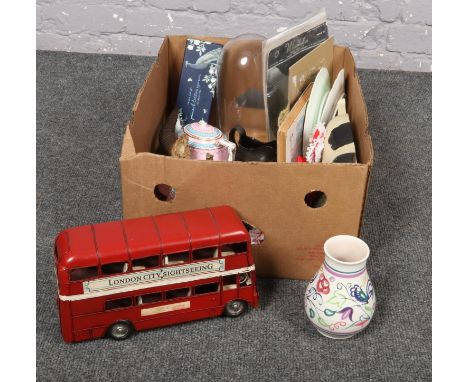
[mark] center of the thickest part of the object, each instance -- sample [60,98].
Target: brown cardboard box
[270,196]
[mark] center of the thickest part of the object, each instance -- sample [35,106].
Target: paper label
[303,72]
[153,276]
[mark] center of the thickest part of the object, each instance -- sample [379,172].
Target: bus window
[233,249]
[149,298]
[145,262]
[229,282]
[83,273]
[177,293]
[206,288]
[176,258]
[204,253]
[119,303]
[112,268]
[244,279]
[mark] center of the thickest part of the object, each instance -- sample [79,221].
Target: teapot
[206,142]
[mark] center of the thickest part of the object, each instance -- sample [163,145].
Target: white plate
[316,103]
[337,91]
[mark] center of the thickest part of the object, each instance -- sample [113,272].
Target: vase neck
[346,254]
[340,267]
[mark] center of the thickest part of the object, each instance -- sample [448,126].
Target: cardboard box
[270,196]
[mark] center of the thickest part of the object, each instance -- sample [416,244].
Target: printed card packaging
[297,206]
[198,80]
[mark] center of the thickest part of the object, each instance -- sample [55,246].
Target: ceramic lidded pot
[340,299]
[206,142]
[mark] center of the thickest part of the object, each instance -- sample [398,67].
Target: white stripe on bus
[154,284]
[165,308]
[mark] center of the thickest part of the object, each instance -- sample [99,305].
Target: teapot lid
[202,131]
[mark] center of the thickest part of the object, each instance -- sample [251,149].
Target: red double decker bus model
[118,277]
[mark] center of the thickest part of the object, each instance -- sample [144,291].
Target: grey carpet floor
[83,103]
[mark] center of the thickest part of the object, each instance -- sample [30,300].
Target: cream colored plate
[334,96]
[316,103]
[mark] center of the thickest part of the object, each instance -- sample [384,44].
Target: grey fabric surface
[83,103]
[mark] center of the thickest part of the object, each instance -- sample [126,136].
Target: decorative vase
[340,299]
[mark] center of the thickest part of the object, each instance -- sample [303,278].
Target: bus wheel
[235,308]
[121,330]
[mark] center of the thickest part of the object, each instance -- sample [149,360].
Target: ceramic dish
[336,93]
[317,99]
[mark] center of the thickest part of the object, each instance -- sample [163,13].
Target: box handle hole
[315,199]
[164,192]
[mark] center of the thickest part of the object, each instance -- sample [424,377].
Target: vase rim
[342,243]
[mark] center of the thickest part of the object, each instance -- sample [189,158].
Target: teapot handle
[231,148]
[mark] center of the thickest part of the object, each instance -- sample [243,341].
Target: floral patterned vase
[340,298]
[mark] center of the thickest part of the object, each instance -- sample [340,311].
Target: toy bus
[118,277]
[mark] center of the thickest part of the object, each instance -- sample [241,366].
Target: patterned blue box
[197,81]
